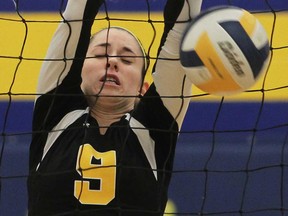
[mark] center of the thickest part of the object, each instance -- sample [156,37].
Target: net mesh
[232,154]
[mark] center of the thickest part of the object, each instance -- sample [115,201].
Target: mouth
[109,78]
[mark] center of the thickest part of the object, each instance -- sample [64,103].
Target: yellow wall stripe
[40,34]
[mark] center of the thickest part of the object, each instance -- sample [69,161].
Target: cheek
[87,67]
[135,79]
[88,75]
[89,70]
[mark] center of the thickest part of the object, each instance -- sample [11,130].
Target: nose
[112,63]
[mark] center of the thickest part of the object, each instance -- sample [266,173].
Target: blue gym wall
[266,188]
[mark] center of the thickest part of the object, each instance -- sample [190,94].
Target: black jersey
[124,170]
[74,170]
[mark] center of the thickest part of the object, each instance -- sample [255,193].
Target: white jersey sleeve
[169,76]
[63,46]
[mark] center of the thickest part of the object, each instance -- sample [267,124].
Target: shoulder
[50,109]
[152,112]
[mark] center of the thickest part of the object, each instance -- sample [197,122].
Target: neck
[106,114]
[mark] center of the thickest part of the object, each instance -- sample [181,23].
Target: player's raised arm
[169,77]
[69,44]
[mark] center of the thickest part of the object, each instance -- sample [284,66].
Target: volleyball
[224,50]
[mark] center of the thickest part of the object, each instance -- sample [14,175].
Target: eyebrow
[127,49]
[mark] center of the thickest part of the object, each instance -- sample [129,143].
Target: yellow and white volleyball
[224,50]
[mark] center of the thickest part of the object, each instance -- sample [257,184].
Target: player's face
[113,65]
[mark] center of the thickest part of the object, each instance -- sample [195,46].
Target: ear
[144,88]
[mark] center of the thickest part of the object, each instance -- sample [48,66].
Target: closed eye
[127,60]
[101,56]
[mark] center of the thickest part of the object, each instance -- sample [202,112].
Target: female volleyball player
[94,151]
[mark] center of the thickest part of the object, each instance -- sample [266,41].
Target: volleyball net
[232,154]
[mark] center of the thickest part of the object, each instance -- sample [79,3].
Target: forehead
[115,35]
